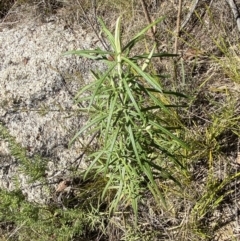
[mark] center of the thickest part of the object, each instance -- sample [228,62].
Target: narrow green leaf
[96,120]
[118,37]
[152,185]
[175,93]
[108,185]
[160,103]
[91,54]
[176,106]
[145,75]
[131,135]
[164,173]
[86,98]
[131,44]
[110,114]
[134,200]
[110,150]
[93,163]
[144,30]
[147,61]
[165,131]
[100,82]
[130,94]
[157,194]
[91,86]
[85,89]
[118,47]
[119,194]
[141,33]
[155,55]
[84,52]
[108,33]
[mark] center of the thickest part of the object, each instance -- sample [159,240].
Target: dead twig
[148,18]
[176,40]
[191,12]
[92,26]
[95,135]
[178,26]
[189,15]
[153,28]
[235,11]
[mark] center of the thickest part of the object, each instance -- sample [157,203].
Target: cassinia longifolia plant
[128,109]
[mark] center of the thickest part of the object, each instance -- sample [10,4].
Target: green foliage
[129,110]
[139,146]
[34,222]
[34,167]
[230,62]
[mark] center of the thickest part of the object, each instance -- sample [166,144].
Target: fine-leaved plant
[129,112]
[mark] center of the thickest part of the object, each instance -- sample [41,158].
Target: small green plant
[131,114]
[34,167]
[21,220]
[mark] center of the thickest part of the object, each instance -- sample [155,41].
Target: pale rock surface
[38,85]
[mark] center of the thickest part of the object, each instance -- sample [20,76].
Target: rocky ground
[38,85]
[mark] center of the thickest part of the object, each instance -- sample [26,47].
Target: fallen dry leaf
[62,186]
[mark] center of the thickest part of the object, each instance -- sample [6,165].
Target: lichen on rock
[38,85]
